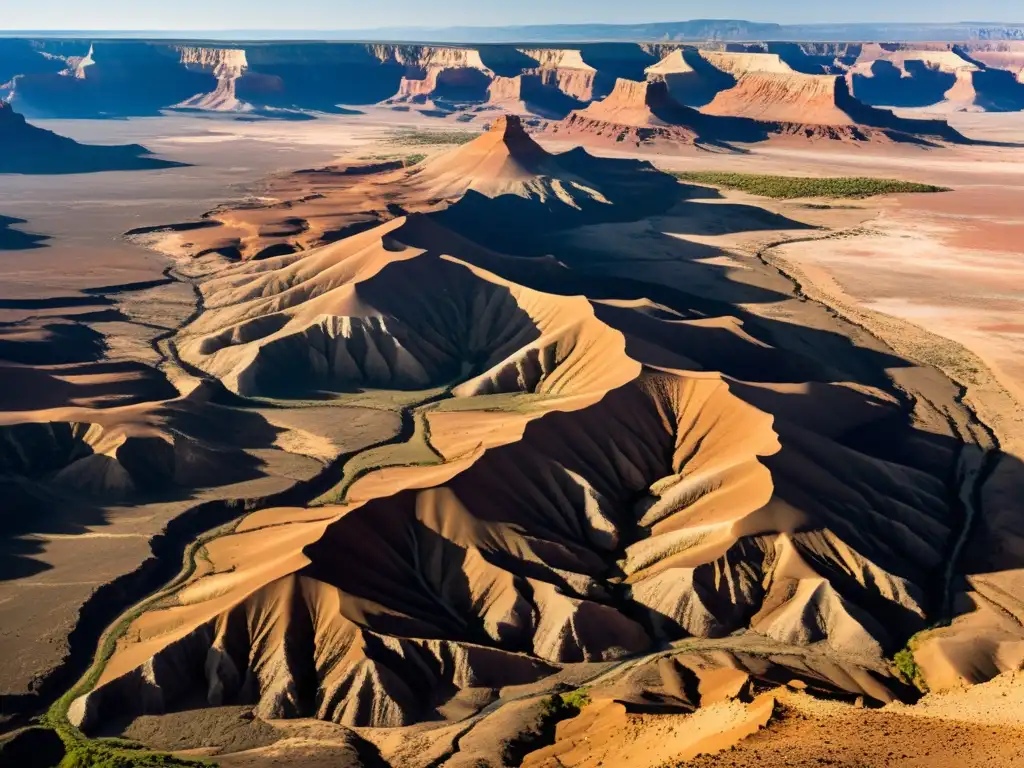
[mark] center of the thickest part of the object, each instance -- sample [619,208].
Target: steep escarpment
[227,65]
[438,76]
[559,82]
[750,107]
[817,104]
[121,78]
[83,78]
[955,78]
[86,78]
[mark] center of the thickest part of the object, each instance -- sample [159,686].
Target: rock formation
[83,78]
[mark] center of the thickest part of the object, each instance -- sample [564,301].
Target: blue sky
[355,14]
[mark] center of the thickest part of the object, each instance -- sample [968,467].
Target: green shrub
[907,666]
[429,138]
[788,187]
[94,755]
[562,706]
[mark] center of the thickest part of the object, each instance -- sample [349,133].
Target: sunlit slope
[583,474]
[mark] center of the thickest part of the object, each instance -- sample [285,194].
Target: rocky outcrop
[225,64]
[557,58]
[437,76]
[82,78]
[944,77]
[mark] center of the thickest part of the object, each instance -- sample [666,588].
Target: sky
[362,14]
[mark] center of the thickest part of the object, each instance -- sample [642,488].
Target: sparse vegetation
[407,160]
[906,664]
[82,752]
[99,755]
[417,451]
[553,710]
[790,187]
[562,706]
[433,138]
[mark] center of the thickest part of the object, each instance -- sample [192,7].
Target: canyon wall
[117,78]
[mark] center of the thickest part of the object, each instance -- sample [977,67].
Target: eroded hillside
[459,448]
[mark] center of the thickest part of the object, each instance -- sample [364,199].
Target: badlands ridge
[494,466]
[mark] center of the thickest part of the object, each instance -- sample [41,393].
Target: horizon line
[518,26]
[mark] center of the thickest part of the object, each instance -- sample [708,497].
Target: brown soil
[806,734]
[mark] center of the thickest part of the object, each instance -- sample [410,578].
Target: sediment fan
[595,474]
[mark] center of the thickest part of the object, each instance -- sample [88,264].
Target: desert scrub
[562,706]
[789,187]
[907,666]
[98,755]
[552,710]
[429,138]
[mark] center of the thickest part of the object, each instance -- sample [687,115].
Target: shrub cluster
[789,187]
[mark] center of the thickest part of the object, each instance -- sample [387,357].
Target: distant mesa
[709,97]
[949,80]
[299,80]
[31,150]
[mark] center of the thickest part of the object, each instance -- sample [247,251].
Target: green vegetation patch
[99,755]
[433,138]
[562,706]
[790,187]
[907,666]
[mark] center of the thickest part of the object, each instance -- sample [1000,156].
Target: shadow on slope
[699,87]
[32,150]
[68,478]
[887,86]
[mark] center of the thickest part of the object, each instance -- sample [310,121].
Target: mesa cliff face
[83,78]
[715,97]
[225,64]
